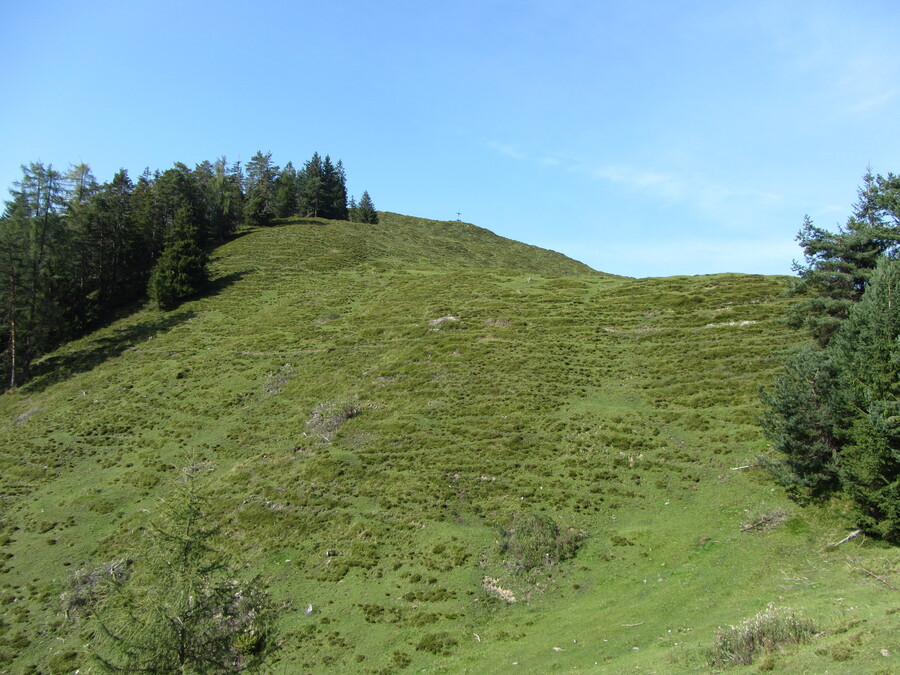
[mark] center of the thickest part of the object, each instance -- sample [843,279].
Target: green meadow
[464,453]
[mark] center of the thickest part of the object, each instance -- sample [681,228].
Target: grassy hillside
[379,404]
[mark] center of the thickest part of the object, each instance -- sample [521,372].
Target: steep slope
[374,403]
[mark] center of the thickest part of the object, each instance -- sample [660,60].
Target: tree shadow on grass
[219,284]
[61,366]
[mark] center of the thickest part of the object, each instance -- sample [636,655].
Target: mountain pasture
[445,452]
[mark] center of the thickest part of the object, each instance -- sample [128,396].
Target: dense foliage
[834,415]
[73,251]
[364,211]
[838,265]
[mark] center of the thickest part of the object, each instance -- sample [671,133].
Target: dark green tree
[181,269]
[13,291]
[803,419]
[366,212]
[866,352]
[838,264]
[312,191]
[38,246]
[113,246]
[223,197]
[833,415]
[286,192]
[76,288]
[147,211]
[184,609]
[260,203]
[334,186]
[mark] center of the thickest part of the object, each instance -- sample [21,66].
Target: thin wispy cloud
[680,187]
[511,151]
[668,187]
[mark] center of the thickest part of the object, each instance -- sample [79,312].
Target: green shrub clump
[764,633]
[532,540]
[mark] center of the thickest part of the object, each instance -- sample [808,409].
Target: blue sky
[643,138]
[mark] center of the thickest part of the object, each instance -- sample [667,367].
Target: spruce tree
[181,269]
[834,414]
[259,203]
[312,190]
[334,191]
[286,189]
[866,352]
[366,209]
[838,264]
[40,246]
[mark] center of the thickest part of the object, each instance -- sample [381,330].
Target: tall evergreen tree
[259,206]
[78,307]
[147,211]
[223,197]
[866,352]
[13,290]
[181,269]
[366,212]
[286,192]
[834,414]
[838,264]
[312,189]
[334,188]
[35,217]
[115,245]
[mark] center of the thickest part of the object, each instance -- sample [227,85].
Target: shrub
[327,417]
[533,539]
[764,633]
[439,644]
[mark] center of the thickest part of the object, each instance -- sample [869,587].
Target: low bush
[533,540]
[764,633]
[327,417]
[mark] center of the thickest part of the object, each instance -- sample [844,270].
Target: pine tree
[286,191]
[804,412]
[312,192]
[866,352]
[259,205]
[838,264]
[834,414]
[366,209]
[114,246]
[35,218]
[183,609]
[225,199]
[181,269]
[334,191]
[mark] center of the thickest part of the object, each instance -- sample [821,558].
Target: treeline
[73,250]
[834,413]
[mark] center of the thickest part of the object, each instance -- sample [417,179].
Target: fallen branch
[874,576]
[767,522]
[632,625]
[847,538]
[738,468]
